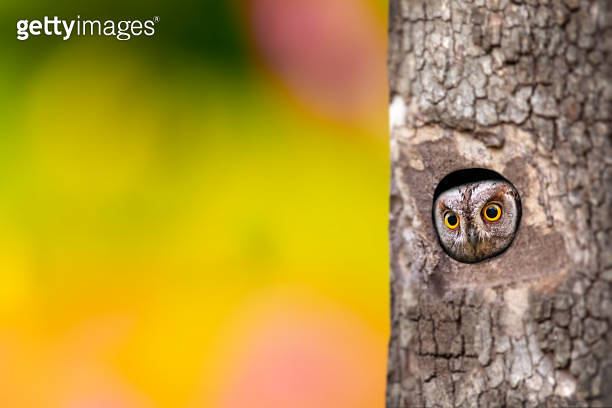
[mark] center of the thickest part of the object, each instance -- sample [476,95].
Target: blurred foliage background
[199,218]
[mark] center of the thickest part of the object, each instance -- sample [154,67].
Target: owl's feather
[476,239]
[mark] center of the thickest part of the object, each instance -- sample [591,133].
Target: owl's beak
[473,237]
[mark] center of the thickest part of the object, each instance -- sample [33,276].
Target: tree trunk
[522,88]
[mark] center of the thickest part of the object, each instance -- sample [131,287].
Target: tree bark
[522,88]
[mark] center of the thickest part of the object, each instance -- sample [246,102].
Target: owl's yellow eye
[451,220]
[492,212]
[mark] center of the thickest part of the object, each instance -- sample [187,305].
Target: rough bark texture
[523,88]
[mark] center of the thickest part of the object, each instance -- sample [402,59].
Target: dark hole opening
[463,176]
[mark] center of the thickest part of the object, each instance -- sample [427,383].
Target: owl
[478,220]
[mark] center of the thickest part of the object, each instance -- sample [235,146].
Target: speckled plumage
[476,239]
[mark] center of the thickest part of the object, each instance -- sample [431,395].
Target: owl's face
[476,221]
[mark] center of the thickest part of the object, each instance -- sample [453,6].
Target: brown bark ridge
[522,88]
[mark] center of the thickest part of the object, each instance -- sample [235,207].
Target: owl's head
[477,220]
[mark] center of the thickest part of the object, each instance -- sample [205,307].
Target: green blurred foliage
[165,182]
